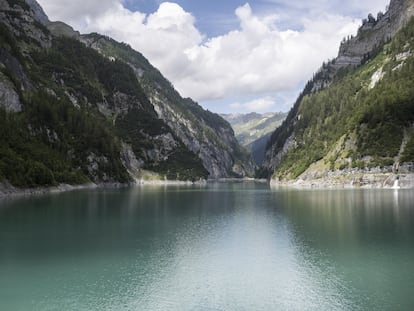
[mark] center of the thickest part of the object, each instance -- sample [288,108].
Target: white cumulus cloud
[259,58]
[255,59]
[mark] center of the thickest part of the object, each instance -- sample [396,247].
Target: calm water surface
[218,247]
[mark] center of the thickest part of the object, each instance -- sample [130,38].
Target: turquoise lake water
[236,246]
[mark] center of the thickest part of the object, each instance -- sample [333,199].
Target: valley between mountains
[83,108]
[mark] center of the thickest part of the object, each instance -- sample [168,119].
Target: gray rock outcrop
[23,25]
[39,14]
[206,134]
[374,32]
[9,99]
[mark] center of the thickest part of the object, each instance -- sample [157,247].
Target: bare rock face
[39,14]
[15,68]
[213,146]
[22,19]
[9,99]
[62,29]
[273,158]
[205,134]
[129,160]
[374,32]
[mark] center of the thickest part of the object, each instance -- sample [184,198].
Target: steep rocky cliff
[374,32]
[39,14]
[71,114]
[356,115]
[203,132]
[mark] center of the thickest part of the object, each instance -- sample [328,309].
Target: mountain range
[79,108]
[253,130]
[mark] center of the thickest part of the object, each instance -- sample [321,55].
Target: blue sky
[217,17]
[229,55]
[212,17]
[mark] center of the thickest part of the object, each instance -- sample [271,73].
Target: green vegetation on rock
[204,133]
[371,106]
[77,107]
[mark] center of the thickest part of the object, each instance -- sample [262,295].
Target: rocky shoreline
[336,181]
[143,182]
[352,181]
[7,190]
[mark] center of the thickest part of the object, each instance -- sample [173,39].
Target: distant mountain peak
[253,130]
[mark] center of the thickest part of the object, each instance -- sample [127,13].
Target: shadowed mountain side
[69,113]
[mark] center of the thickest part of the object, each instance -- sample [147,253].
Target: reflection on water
[217,247]
[366,236]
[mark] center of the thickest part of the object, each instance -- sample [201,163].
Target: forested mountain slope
[69,114]
[357,113]
[205,133]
